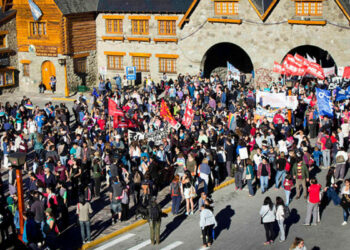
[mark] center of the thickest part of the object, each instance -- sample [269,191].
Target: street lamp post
[289,85]
[17,160]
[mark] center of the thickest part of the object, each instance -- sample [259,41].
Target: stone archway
[321,56]
[217,56]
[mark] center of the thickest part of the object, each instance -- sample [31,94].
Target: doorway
[47,70]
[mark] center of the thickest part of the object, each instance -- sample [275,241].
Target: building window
[226,7]
[114,26]
[140,27]
[2,41]
[141,63]
[115,62]
[26,69]
[309,8]
[80,65]
[6,78]
[38,29]
[167,27]
[167,65]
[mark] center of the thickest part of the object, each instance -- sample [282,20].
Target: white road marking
[114,242]
[141,245]
[172,245]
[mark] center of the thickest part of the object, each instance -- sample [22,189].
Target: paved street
[239,226]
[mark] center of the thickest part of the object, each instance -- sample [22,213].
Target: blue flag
[36,12]
[232,68]
[324,102]
[342,94]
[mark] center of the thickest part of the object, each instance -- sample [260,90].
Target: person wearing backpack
[136,185]
[155,215]
[175,193]
[280,217]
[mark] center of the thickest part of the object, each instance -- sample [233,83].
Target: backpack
[286,212]
[175,189]
[340,159]
[328,143]
[154,213]
[137,177]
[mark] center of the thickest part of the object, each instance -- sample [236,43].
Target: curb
[63,99]
[139,223]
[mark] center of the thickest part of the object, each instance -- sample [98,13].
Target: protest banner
[113,109]
[135,136]
[243,153]
[292,102]
[189,114]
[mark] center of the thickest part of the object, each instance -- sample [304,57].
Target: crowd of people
[71,160]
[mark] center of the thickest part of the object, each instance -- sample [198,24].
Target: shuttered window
[309,8]
[141,63]
[115,62]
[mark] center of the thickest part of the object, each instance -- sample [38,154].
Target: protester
[298,244]
[280,217]
[83,211]
[312,206]
[207,222]
[268,217]
[175,192]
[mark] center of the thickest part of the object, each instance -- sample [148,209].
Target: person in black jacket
[154,218]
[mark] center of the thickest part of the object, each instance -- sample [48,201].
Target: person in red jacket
[312,206]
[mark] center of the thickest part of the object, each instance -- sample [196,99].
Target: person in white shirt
[280,216]
[341,159]
[345,130]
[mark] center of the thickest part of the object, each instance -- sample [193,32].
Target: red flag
[115,121]
[189,114]
[301,59]
[165,113]
[113,108]
[346,73]
[278,68]
[290,67]
[315,70]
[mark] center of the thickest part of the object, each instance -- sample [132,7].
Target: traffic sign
[131,73]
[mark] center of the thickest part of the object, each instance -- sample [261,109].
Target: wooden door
[47,70]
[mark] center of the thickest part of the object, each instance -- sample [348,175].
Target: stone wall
[11,39]
[264,42]
[91,67]
[134,46]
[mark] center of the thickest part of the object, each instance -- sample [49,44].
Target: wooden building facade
[60,43]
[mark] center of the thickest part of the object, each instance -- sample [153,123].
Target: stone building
[188,35]
[8,47]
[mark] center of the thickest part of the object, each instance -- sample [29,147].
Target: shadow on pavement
[223,219]
[294,218]
[170,227]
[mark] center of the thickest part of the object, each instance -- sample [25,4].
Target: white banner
[329,71]
[340,71]
[275,100]
[292,102]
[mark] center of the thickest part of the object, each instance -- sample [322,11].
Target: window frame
[77,63]
[114,22]
[167,25]
[301,5]
[138,61]
[26,69]
[138,23]
[219,4]
[34,29]
[164,66]
[4,43]
[114,58]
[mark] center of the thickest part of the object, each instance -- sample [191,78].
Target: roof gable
[263,7]
[145,6]
[344,5]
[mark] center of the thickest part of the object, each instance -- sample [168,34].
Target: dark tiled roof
[6,13]
[77,6]
[346,5]
[146,6]
[262,5]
